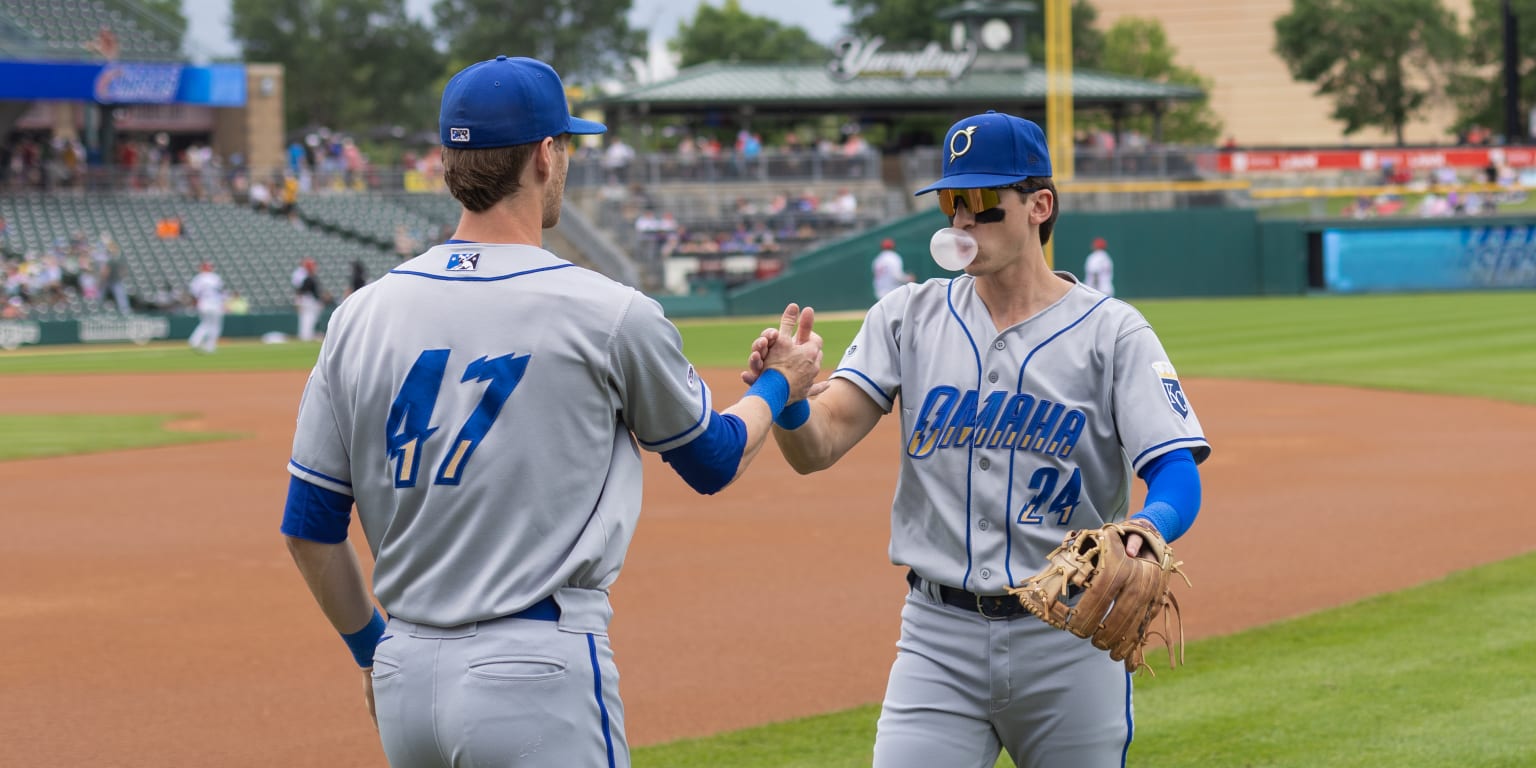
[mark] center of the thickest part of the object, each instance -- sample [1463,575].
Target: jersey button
[983,525]
[999,344]
[985,463]
[986,573]
[992,377]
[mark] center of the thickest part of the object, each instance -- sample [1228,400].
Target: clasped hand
[793,349]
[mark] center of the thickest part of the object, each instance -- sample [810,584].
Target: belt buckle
[982,601]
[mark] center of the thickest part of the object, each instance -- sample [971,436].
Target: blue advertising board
[1430,259]
[124,82]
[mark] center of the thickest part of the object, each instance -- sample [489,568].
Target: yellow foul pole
[1058,96]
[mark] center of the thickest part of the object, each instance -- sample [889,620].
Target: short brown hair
[481,178]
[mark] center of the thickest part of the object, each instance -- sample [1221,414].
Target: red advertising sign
[1291,161]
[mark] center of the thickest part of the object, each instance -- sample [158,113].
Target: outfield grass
[35,436]
[1434,676]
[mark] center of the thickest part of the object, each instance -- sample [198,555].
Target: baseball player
[207,289]
[1099,268]
[1026,401]
[309,297]
[483,406]
[889,272]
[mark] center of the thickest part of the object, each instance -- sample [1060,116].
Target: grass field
[1435,676]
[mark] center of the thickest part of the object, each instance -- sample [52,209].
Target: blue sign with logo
[125,82]
[1430,259]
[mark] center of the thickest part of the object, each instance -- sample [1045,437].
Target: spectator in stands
[845,207]
[289,195]
[687,157]
[235,304]
[888,270]
[647,223]
[168,228]
[261,197]
[616,160]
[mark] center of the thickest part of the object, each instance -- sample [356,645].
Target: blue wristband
[773,388]
[794,415]
[363,642]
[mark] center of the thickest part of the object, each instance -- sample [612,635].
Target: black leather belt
[989,606]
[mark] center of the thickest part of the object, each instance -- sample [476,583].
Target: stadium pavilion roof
[766,89]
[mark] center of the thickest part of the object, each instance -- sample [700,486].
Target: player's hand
[756,360]
[368,694]
[797,351]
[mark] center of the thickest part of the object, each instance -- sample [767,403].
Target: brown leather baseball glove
[1092,588]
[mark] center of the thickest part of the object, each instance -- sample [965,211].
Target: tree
[1140,48]
[729,33]
[1479,94]
[914,23]
[348,65]
[584,40]
[1382,61]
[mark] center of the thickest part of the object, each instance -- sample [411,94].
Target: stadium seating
[64,29]
[254,252]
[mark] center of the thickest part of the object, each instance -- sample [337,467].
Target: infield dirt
[152,617]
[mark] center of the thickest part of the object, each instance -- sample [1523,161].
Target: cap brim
[970,181]
[580,126]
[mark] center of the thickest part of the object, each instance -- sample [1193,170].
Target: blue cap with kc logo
[991,150]
[504,102]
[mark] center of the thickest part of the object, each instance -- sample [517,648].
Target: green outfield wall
[1183,253]
[140,329]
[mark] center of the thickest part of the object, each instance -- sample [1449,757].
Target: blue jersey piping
[478,279]
[1012,455]
[602,706]
[703,414]
[321,475]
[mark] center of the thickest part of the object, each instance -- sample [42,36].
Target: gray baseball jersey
[1013,437]
[478,403]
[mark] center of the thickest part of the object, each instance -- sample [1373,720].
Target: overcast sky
[208,20]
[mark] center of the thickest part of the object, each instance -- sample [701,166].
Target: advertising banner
[1430,259]
[123,82]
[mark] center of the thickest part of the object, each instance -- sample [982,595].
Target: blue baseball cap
[504,102]
[991,150]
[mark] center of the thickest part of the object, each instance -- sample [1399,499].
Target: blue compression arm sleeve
[1173,493]
[709,461]
[315,513]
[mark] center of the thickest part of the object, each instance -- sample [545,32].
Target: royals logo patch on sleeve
[1172,388]
[463,262]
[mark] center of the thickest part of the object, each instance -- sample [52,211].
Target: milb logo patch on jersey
[1172,388]
[463,262]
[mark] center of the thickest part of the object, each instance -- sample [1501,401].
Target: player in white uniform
[483,405]
[1099,269]
[207,288]
[889,271]
[1027,401]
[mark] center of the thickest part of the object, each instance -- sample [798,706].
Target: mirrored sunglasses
[976,200]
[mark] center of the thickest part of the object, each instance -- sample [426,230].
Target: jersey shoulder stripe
[319,478]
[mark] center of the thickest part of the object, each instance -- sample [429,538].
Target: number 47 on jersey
[410,415]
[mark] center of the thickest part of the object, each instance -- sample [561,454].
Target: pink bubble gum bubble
[953,249]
